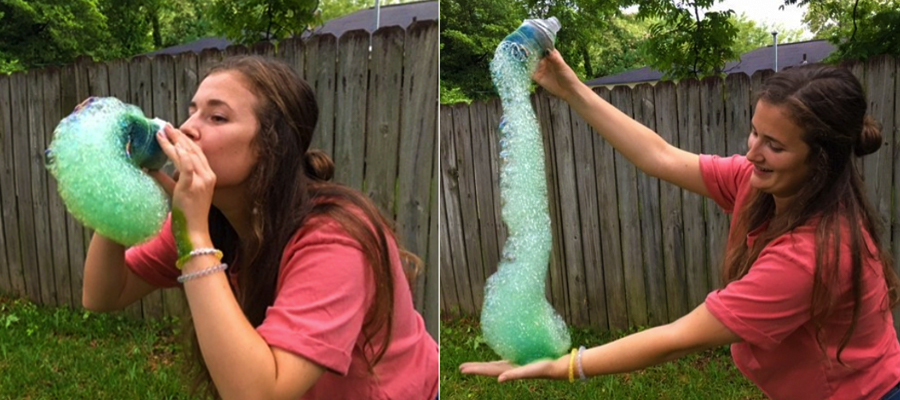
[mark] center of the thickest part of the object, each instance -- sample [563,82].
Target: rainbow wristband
[207,251]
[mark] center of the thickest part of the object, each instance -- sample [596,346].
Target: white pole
[775,39]
[377,15]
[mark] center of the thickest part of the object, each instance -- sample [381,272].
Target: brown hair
[829,104]
[289,185]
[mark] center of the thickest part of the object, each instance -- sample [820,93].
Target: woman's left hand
[505,370]
[193,191]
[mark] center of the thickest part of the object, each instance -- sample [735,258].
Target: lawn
[707,375]
[60,353]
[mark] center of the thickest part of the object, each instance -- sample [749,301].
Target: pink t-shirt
[769,308]
[324,288]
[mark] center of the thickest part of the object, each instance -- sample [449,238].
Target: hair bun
[869,140]
[318,165]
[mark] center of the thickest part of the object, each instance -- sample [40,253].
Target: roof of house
[789,55]
[391,15]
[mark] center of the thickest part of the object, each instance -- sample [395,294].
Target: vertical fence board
[11,273]
[22,156]
[467,207]
[670,209]
[712,106]
[59,245]
[495,113]
[610,237]
[557,282]
[589,222]
[350,115]
[484,193]
[417,204]
[878,172]
[321,54]
[629,222]
[450,184]
[38,188]
[651,230]
[689,131]
[432,286]
[570,226]
[79,89]
[383,119]
[292,52]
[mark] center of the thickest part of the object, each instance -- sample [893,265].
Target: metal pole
[775,39]
[377,15]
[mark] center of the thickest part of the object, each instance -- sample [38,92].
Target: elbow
[94,305]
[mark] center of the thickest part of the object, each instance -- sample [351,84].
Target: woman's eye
[775,148]
[218,118]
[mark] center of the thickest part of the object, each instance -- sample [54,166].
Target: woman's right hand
[554,75]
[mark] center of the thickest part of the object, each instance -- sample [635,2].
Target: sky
[767,12]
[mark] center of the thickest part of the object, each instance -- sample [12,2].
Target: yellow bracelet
[572,365]
[199,252]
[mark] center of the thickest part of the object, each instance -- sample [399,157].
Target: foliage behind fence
[378,121]
[628,250]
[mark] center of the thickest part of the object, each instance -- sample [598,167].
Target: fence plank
[495,113]
[610,237]
[78,250]
[557,282]
[293,52]
[22,156]
[39,177]
[878,170]
[11,273]
[712,106]
[432,286]
[484,193]
[737,117]
[895,191]
[450,181]
[589,222]
[53,113]
[350,123]
[451,303]
[670,207]
[467,197]
[689,131]
[629,221]
[651,231]
[570,227]
[321,54]
[383,119]
[417,206]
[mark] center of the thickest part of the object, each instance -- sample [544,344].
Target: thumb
[167,183]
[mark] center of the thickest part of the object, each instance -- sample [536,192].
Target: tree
[859,28]
[751,36]
[338,8]
[683,44]
[250,21]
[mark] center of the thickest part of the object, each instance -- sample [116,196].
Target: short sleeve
[324,289]
[154,261]
[772,300]
[723,177]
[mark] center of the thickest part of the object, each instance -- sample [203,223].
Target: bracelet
[203,272]
[572,366]
[206,251]
[580,369]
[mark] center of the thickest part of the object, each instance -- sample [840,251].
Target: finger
[167,183]
[487,369]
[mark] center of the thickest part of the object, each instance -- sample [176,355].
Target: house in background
[401,15]
[789,55]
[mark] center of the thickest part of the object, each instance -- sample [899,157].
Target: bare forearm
[104,274]
[239,360]
[636,142]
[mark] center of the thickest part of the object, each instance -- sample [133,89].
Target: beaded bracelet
[203,272]
[572,366]
[205,251]
[578,363]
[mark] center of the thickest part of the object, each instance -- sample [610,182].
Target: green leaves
[249,21]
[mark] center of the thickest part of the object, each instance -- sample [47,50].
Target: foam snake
[96,156]
[516,319]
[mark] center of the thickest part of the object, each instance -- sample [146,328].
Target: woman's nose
[752,150]
[189,128]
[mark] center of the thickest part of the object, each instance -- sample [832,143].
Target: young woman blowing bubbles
[807,304]
[295,285]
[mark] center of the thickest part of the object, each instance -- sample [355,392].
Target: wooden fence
[378,121]
[627,249]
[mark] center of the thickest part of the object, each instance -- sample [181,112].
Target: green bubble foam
[95,156]
[517,321]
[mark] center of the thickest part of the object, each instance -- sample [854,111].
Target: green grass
[707,375]
[59,353]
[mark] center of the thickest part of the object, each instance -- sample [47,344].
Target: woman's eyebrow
[211,103]
[769,137]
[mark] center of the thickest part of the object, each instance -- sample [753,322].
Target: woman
[809,287]
[295,286]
